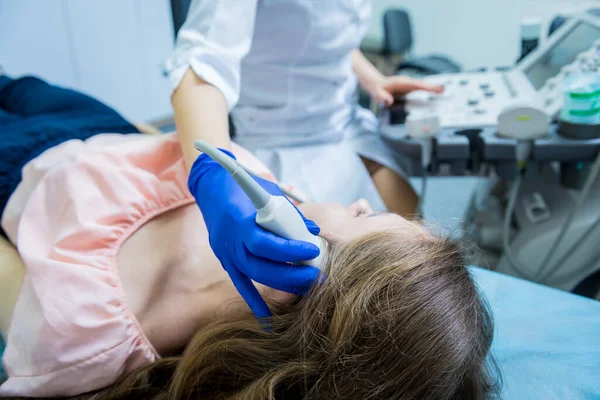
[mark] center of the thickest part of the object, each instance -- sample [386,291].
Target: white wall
[474,32]
[111,49]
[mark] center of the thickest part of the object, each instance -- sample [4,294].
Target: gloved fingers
[265,244]
[310,224]
[295,279]
[249,293]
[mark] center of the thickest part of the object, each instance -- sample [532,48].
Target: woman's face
[340,224]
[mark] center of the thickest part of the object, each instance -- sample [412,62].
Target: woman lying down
[124,298]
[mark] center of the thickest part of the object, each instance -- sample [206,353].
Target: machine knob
[489,93]
[484,86]
[473,101]
[464,82]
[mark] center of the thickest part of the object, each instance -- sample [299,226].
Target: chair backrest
[397,31]
[556,23]
[180,9]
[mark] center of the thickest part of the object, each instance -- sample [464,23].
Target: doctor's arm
[200,114]
[245,251]
[205,71]
[383,88]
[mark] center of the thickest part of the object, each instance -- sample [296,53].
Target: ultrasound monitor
[581,38]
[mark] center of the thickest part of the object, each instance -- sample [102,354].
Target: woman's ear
[361,206]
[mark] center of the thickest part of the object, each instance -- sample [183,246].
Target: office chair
[398,40]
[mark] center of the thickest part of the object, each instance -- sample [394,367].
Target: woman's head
[340,224]
[397,317]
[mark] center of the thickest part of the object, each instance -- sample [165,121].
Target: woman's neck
[173,279]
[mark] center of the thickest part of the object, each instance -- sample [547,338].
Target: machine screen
[563,53]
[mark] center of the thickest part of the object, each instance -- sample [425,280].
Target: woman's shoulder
[121,176]
[72,303]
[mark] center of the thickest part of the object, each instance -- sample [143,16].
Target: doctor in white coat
[287,71]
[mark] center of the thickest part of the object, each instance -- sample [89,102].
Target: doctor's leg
[397,194]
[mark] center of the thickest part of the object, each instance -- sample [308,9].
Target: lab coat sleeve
[214,39]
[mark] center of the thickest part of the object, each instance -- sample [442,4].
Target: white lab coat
[285,69]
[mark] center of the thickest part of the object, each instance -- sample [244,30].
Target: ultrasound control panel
[476,99]
[468,100]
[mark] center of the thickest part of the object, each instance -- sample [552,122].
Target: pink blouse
[72,330]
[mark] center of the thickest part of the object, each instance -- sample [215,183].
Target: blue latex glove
[247,251]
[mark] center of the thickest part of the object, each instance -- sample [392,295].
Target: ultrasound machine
[477,99]
[540,219]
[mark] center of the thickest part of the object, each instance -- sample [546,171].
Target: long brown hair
[394,319]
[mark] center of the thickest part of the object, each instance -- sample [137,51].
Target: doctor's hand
[246,251]
[383,90]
